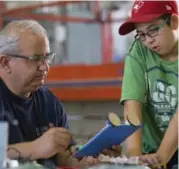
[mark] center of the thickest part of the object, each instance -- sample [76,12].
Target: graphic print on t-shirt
[163,95]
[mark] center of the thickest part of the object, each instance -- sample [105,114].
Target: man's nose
[44,65]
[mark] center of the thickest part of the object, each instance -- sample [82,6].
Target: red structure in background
[2,9]
[106,35]
[79,82]
[87,82]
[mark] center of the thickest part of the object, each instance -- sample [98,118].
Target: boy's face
[158,36]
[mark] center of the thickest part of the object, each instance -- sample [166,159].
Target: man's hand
[55,140]
[69,160]
[152,160]
[88,161]
[85,162]
[115,151]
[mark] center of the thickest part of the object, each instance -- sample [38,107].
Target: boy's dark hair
[167,17]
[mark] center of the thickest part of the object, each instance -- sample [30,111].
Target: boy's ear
[174,22]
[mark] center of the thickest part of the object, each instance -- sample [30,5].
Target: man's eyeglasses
[151,33]
[37,58]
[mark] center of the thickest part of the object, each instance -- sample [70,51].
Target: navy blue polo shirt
[34,114]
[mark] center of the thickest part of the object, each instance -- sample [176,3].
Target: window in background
[121,44]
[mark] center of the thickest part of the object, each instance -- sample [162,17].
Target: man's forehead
[30,39]
[34,42]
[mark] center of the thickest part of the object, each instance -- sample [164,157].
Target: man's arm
[134,142]
[169,143]
[65,158]
[53,141]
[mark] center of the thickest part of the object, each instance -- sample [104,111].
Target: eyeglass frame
[157,28]
[36,58]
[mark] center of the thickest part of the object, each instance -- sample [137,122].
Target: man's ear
[174,22]
[4,63]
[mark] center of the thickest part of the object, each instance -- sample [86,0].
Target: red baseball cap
[146,11]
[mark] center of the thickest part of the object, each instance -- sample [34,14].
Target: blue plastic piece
[106,138]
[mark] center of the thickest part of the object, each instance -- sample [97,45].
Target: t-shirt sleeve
[134,81]
[61,116]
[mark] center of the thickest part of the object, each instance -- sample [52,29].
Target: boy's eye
[153,31]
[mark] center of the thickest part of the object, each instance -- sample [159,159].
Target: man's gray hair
[10,35]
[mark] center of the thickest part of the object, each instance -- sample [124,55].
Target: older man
[42,130]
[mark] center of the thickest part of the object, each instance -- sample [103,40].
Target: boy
[150,83]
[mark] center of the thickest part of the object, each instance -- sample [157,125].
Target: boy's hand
[152,160]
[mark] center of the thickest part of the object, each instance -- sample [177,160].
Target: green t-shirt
[153,82]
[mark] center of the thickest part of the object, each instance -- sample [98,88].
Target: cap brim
[129,25]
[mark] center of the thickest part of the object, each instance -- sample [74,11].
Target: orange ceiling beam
[29,8]
[2,6]
[25,13]
[49,17]
[59,18]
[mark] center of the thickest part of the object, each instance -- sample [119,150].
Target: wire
[16,150]
[20,157]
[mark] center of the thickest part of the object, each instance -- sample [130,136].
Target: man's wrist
[35,153]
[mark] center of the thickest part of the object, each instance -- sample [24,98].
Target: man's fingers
[60,149]
[115,151]
[72,149]
[64,136]
[62,140]
[117,147]
[62,130]
[91,160]
[106,152]
[110,153]
[60,135]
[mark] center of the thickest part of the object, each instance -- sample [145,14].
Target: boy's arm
[134,90]
[167,147]
[169,143]
[133,144]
